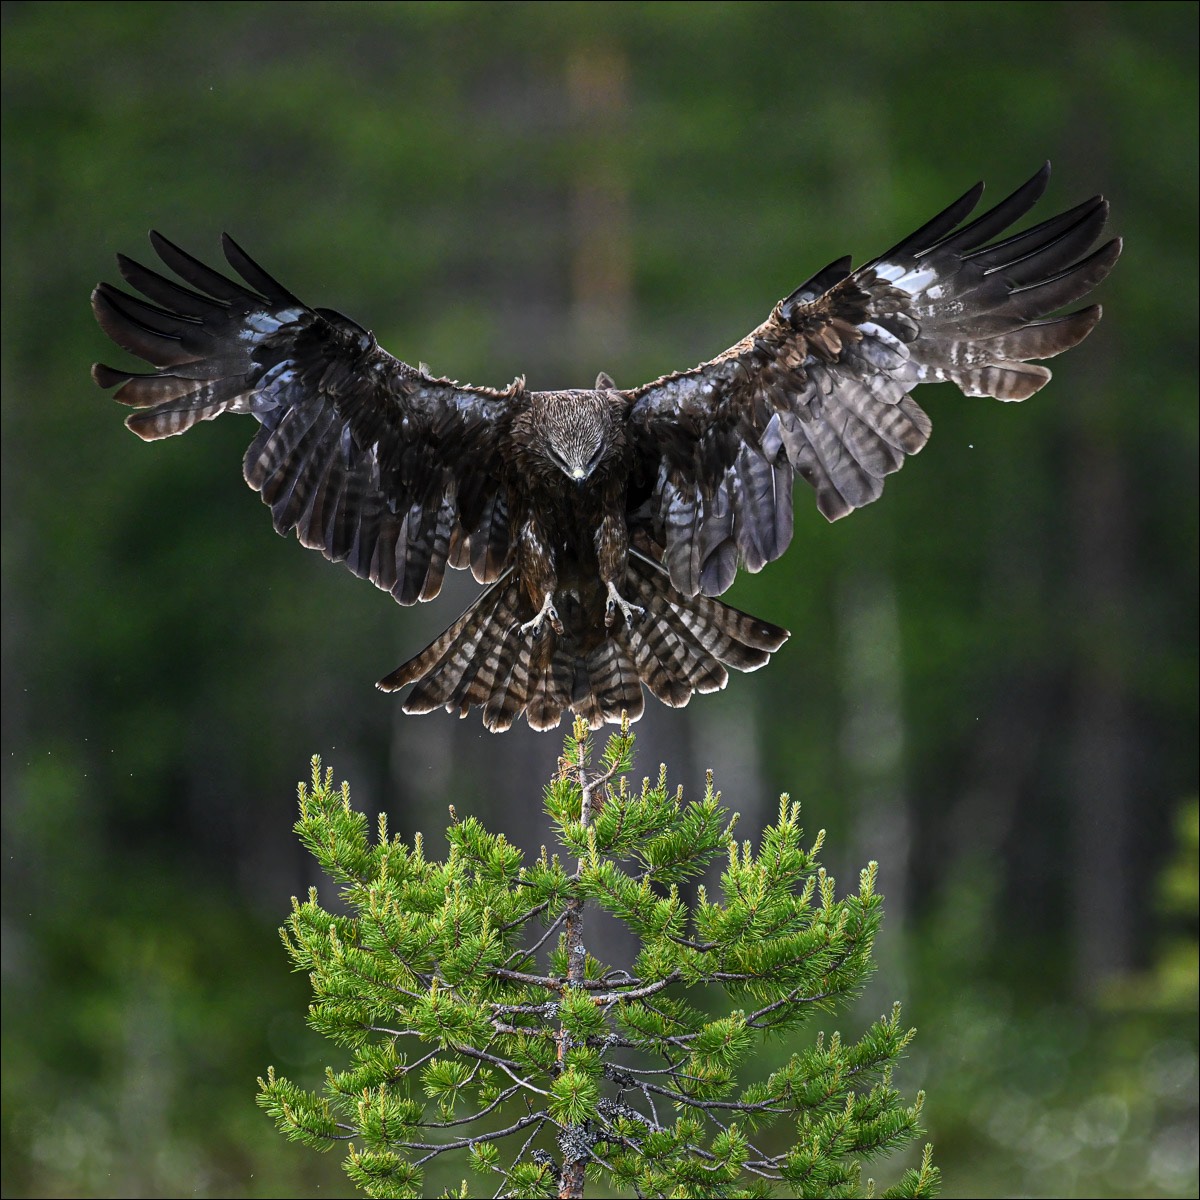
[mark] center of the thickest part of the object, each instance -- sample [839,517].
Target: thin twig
[435,1150]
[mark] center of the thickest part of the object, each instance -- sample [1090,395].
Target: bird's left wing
[821,388]
[371,461]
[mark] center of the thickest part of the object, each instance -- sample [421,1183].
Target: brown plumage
[603,521]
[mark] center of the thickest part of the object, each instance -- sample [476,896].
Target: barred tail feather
[446,668]
[680,646]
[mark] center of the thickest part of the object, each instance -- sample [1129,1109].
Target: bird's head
[576,431]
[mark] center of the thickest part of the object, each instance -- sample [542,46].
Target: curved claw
[547,612]
[617,603]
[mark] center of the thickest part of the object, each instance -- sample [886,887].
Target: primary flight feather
[604,521]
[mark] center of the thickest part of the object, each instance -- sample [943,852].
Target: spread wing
[821,388]
[371,461]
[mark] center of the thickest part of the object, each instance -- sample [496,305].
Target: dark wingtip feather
[196,273]
[253,274]
[937,227]
[1068,285]
[167,292]
[143,329]
[1000,216]
[107,377]
[1044,248]
[1074,327]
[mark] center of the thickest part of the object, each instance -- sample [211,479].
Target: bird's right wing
[371,461]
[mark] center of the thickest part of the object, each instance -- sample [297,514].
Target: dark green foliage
[472,1026]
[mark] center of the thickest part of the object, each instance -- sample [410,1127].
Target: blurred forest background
[991,684]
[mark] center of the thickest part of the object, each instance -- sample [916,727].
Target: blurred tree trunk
[1104,896]
[597,81]
[1101,792]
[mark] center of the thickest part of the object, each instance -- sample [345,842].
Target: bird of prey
[603,522]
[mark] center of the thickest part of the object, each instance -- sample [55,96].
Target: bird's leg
[546,613]
[617,603]
[612,555]
[538,576]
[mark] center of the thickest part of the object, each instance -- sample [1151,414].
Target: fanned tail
[680,646]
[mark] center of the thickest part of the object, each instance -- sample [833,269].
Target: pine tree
[477,1021]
